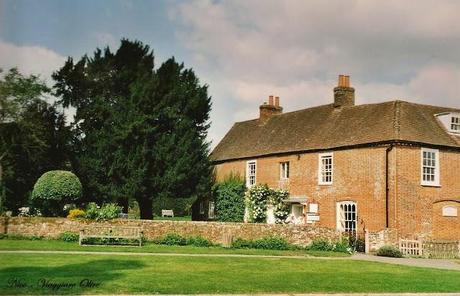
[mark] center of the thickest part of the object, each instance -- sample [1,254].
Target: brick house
[392,165]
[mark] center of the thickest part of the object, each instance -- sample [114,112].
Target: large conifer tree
[140,132]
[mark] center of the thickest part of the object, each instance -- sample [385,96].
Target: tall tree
[141,131]
[33,136]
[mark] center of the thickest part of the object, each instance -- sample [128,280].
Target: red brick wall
[417,214]
[359,175]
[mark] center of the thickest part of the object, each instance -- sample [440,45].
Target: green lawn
[8,244]
[39,273]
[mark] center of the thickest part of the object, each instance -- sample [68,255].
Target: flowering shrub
[28,212]
[76,213]
[106,212]
[258,197]
[281,209]
[325,245]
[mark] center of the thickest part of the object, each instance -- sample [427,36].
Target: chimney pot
[277,101]
[270,100]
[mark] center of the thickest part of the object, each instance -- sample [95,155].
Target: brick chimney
[344,95]
[268,110]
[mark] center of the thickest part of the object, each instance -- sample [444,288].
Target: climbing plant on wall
[260,197]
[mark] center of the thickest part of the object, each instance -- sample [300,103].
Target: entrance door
[297,210]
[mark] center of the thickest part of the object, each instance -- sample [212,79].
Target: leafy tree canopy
[33,137]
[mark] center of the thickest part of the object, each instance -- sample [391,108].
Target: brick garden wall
[214,231]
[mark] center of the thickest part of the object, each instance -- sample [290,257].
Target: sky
[247,50]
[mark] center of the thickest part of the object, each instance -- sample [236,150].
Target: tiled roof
[325,127]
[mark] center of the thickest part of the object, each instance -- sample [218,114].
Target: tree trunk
[145,208]
[124,203]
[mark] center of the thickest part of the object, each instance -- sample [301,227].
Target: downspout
[387,186]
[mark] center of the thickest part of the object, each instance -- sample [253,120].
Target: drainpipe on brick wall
[387,186]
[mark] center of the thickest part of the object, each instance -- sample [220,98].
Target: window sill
[431,185]
[325,184]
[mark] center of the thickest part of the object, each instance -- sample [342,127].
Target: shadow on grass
[79,278]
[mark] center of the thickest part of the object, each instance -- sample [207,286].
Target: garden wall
[216,232]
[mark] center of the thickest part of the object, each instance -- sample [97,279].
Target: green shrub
[23,237]
[229,198]
[92,211]
[110,241]
[320,245]
[2,236]
[106,212]
[53,190]
[173,239]
[68,236]
[109,211]
[267,243]
[199,241]
[389,251]
[240,243]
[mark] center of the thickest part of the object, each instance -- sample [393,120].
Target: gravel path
[418,262]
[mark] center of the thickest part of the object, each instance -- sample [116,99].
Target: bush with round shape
[54,189]
[389,251]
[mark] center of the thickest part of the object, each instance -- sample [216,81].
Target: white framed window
[251,171]
[284,170]
[325,169]
[211,210]
[430,167]
[347,216]
[455,124]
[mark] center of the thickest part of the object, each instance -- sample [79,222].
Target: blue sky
[247,50]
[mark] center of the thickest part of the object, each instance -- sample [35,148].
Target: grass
[49,245]
[110,274]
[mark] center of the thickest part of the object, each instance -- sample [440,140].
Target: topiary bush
[389,251]
[53,190]
[229,198]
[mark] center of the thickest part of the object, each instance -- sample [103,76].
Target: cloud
[36,60]
[296,49]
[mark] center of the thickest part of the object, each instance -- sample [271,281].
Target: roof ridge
[397,119]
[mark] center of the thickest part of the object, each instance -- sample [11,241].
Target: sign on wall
[449,211]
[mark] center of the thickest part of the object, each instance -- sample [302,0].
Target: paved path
[417,262]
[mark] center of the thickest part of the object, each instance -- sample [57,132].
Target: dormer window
[455,124]
[450,121]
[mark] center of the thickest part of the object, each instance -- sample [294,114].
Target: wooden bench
[167,213]
[115,232]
